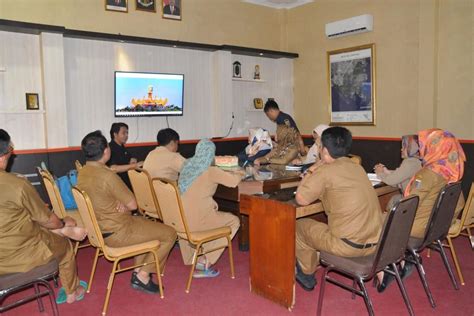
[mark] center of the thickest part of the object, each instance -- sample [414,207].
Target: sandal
[202,266]
[62,296]
[208,273]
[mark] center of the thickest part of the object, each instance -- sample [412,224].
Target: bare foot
[71,298]
[75,233]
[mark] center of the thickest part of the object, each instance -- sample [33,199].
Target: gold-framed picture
[145,5]
[171,9]
[32,101]
[351,80]
[116,5]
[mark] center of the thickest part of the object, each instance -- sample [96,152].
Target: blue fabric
[195,166]
[65,184]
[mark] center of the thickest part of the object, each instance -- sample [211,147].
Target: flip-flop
[209,273]
[62,296]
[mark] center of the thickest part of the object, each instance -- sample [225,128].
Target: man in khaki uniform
[26,226]
[113,203]
[164,161]
[350,202]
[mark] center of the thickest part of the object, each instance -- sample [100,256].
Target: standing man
[32,235]
[273,112]
[113,203]
[120,160]
[350,202]
[164,161]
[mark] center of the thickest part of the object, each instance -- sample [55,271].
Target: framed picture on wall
[116,5]
[351,77]
[146,5]
[32,101]
[172,9]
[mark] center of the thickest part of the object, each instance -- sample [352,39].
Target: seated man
[350,202]
[32,235]
[164,161]
[113,203]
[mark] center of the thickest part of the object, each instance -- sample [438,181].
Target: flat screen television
[148,94]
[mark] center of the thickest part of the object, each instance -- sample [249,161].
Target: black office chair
[436,231]
[390,250]
[15,282]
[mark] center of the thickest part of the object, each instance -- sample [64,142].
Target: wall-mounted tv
[148,94]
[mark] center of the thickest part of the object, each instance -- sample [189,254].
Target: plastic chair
[144,193]
[114,254]
[15,282]
[390,250]
[174,216]
[436,231]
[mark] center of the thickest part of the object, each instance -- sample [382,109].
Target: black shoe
[307,281]
[150,287]
[407,270]
[387,279]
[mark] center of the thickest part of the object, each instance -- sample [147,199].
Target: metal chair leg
[109,288]
[158,273]
[422,274]
[367,300]
[456,261]
[354,284]
[402,289]
[38,297]
[52,298]
[195,257]
[321,290]
[447,265]
[94,266]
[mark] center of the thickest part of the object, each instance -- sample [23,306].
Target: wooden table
[263,179]
[272,219]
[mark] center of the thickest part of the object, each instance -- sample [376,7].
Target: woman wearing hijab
[313,154]
[260,144]
[197,183]
[286,150]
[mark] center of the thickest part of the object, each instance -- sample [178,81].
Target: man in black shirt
[273,112]
[120,159]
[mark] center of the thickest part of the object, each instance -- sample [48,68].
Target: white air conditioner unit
[358,24]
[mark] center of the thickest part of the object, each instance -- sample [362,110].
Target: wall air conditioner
[358,24]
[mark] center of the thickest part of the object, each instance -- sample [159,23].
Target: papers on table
[374,179]
[293,167]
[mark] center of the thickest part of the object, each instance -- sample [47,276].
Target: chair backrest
[88,217]
[53,193]
[171,207]
[395,233]
[144,192]
[78,165]
[442,213]
[468,211]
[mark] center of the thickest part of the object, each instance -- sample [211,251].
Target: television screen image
[148,94]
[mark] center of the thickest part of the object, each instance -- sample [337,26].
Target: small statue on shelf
[256,74]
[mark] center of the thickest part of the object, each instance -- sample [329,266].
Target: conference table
[272,220]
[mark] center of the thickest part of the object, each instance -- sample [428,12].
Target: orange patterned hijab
[442,153]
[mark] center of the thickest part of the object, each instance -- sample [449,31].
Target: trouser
[313,236]
[210,220]
[140,230]
[62,250]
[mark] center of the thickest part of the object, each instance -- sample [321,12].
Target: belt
[358,246]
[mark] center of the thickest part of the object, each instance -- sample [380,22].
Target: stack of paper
[374,178]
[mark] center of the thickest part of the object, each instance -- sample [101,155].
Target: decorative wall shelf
[254,110]
[248,80]
[23,112]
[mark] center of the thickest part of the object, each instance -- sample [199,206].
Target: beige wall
[424,63]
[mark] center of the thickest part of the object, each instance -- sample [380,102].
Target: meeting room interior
[236,157]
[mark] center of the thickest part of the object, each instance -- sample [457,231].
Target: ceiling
[279,4]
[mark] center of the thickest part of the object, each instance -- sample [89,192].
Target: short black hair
[115,129]
[338,141]
[5,142]
[166,136]
[270,104]
[93,145]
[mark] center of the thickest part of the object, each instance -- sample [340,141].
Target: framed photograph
[116,5]
[32,101]
[146,5]
[171,9]
[351,77]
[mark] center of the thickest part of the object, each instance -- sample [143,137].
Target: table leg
[244,233]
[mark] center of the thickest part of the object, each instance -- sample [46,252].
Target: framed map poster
[351,76]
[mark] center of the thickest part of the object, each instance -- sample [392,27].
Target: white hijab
[313,151]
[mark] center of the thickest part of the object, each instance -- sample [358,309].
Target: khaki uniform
[427,185]
[105,190]
[202,212]
[162,163]
[353,211]
[24,243]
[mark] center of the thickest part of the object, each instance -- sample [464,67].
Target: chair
[114,254]
[78,165]
[465,223]
[355,158]
[15,282]
[173,215]
[57,202]
[144,193]
[436,231]
[390,250]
